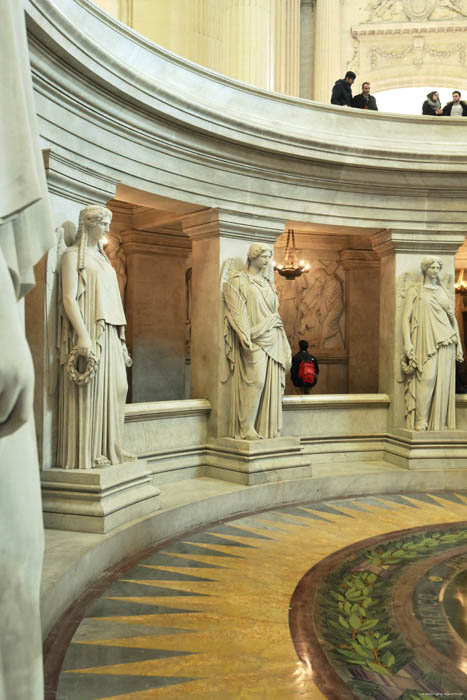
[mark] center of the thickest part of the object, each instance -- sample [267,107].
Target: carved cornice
[68,179]
[359,259]
[223,223]
[150,243]
[407,241]
[408,28]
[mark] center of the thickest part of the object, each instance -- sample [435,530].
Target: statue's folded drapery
[430,390]
[259,355]
[91,416]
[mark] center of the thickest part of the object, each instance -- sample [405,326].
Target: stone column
[362,291]
[286,46]
[155,311]
[401,252]
[218,235]
[307,48]
[245,38]
[328,65]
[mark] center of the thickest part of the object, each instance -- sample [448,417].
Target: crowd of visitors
[342,95]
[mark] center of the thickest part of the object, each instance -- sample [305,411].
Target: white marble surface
[73,560]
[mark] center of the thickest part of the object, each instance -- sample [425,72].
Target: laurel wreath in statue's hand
[81,365]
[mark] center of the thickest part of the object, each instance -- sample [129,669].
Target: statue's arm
[406,318]
[16,368]
[70,303]
[236,312]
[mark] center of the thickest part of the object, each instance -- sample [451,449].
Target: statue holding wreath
[91,349]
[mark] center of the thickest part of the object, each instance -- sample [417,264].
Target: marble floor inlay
[351,598]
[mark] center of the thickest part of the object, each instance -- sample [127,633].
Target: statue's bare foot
[252,436]
[128,456]
[101,461]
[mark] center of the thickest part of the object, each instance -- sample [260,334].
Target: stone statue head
[257,249]
[89,217]
[428,262]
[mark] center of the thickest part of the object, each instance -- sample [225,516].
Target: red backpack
[307,371]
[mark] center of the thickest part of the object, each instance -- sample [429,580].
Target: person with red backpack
[305,369]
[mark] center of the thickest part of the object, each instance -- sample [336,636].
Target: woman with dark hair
[432,104]
[256,347]
[431,347]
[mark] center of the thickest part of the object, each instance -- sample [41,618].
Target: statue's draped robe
[26,234]
[435,339]
[91,416]
[258,352]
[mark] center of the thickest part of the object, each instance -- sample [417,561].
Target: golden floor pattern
[207,615]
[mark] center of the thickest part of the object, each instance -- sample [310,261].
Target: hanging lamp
[290,267]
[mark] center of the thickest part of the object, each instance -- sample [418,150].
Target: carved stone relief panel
[395,43]
[312,307]
[414,10]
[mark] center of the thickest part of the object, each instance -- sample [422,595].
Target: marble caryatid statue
[257,348]
[431,348]
[92,353]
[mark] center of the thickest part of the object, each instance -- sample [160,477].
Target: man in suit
[364,100]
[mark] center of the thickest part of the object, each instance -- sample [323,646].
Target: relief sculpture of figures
[431,348]
[321,310]
[91,350]
[257,348]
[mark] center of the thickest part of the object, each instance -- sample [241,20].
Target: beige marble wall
[362,291]
[155,311]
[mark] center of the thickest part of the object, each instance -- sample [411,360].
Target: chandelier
[290,267]
[461,286]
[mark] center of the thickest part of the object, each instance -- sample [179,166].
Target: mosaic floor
[352,598]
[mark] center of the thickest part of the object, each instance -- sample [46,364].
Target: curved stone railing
[198,97]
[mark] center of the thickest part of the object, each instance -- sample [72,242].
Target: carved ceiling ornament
[414,10]
[419,10]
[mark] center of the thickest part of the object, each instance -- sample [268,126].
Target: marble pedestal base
[413,449]
[256,461]
[97,500]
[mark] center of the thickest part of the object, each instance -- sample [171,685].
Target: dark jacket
[428,109]
[341,93]
[360,102]
[296,360]
[447,109]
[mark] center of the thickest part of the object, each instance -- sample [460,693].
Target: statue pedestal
[256,461]
[427,449]
[97,500]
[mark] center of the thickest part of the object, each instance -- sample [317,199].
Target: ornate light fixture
[461,286]
[290,267]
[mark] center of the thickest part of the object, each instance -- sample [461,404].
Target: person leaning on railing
[457,107]
[432,105]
